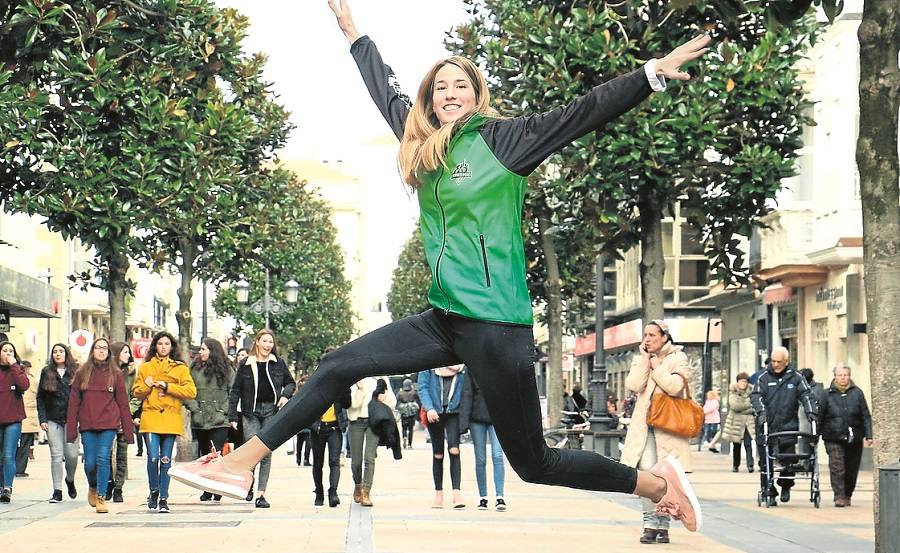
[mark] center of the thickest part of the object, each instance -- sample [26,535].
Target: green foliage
[295,240]
[411,278]
[720,143]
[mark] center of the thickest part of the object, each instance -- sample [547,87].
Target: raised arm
[523,143]
[379,77]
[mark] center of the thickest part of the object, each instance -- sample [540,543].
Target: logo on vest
[461,172]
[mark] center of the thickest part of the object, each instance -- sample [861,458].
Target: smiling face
[264,345]
[453,96]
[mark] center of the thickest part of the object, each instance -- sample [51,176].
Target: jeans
[26,441]
[481,433]
[447,427]
[253,423]
[329,434]
[61,453]
[359,433]
[9,442]
[500,357]
[648,459]
[709,430]
[159,460]
[97,446]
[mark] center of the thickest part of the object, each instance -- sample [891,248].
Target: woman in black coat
[846,422]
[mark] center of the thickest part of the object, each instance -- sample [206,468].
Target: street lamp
[47,274]
[267,304]
[605,437]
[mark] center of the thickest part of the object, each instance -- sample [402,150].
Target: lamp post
[606,440]
[47,275]
[267,304]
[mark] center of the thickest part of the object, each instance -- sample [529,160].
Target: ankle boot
[333,500]
[364,498]
[320,499]
[101,505]
[357,493]
[92,497]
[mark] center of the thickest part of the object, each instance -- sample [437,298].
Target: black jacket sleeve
[382,84]
[234,394]
[866,415]
[286,380]
[523,143]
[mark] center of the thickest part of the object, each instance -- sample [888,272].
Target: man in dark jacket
[776,398]
[846,422]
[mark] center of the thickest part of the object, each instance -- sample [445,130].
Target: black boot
[649,535]
[662,536]
[320,499]
[117,495]
[333,500]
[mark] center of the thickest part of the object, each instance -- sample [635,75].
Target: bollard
[604,442]
[889,508]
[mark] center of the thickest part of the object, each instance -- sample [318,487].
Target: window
[667,241]
[694,272]
[160,312]
[820,344]
[691,241]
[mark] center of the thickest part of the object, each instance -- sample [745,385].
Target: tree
[410,281]
[719,144]
[66,94]
[220,127]
[295,240]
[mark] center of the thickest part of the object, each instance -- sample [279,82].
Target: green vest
[471,217]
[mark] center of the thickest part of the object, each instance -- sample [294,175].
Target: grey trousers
[61,452]
[648,459]
[360,432]
[253,423]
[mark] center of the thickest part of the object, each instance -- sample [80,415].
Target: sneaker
[163,506]
[56,497]
[209,474]
[261,503]
[501,505]
[771,501]
[206,496]
[5,495]
[249,496]
[117,496]
[139,454]
[680,502]
[483,504]
[662,536]
[153,500]
[217,498]
[70,488]
[21,475]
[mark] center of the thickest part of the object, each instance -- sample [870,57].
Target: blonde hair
[425,140]
[254,351]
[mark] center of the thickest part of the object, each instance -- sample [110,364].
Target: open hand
[432,416]
[670,66]
[344,19]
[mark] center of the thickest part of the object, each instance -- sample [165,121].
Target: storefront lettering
[833,298]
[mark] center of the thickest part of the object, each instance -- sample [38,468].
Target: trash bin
[889,508]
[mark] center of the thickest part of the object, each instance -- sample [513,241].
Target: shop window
[693,272]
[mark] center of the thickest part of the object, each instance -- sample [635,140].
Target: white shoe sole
[208,485]
[686,485]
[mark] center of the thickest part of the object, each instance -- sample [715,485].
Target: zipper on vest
[487,272]
[437,265]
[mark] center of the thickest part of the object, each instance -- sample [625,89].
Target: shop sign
[832,297]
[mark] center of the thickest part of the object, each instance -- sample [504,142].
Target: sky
[315,76]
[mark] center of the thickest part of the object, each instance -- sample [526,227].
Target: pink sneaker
[680,501]
[208,473]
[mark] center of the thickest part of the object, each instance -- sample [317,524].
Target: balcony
[779,252]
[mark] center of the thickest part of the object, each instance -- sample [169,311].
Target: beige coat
[740,415]
[644,381]
[31,424]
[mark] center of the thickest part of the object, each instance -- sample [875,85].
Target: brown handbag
[676,415]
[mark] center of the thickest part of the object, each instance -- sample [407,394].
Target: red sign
[139,347]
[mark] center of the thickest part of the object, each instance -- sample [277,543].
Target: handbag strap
[686,391]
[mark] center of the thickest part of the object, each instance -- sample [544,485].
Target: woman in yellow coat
[163,383]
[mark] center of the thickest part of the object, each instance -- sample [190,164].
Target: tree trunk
[653,265]
[188,252]
[554,326]
[876,158]
[116,287]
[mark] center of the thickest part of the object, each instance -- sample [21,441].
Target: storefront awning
[724,299]
[28,297]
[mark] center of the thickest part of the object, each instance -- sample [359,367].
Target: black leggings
[499,357]
[409,424]
[447,427]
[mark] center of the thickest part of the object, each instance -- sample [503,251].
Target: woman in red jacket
[13,383]
[98,407]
